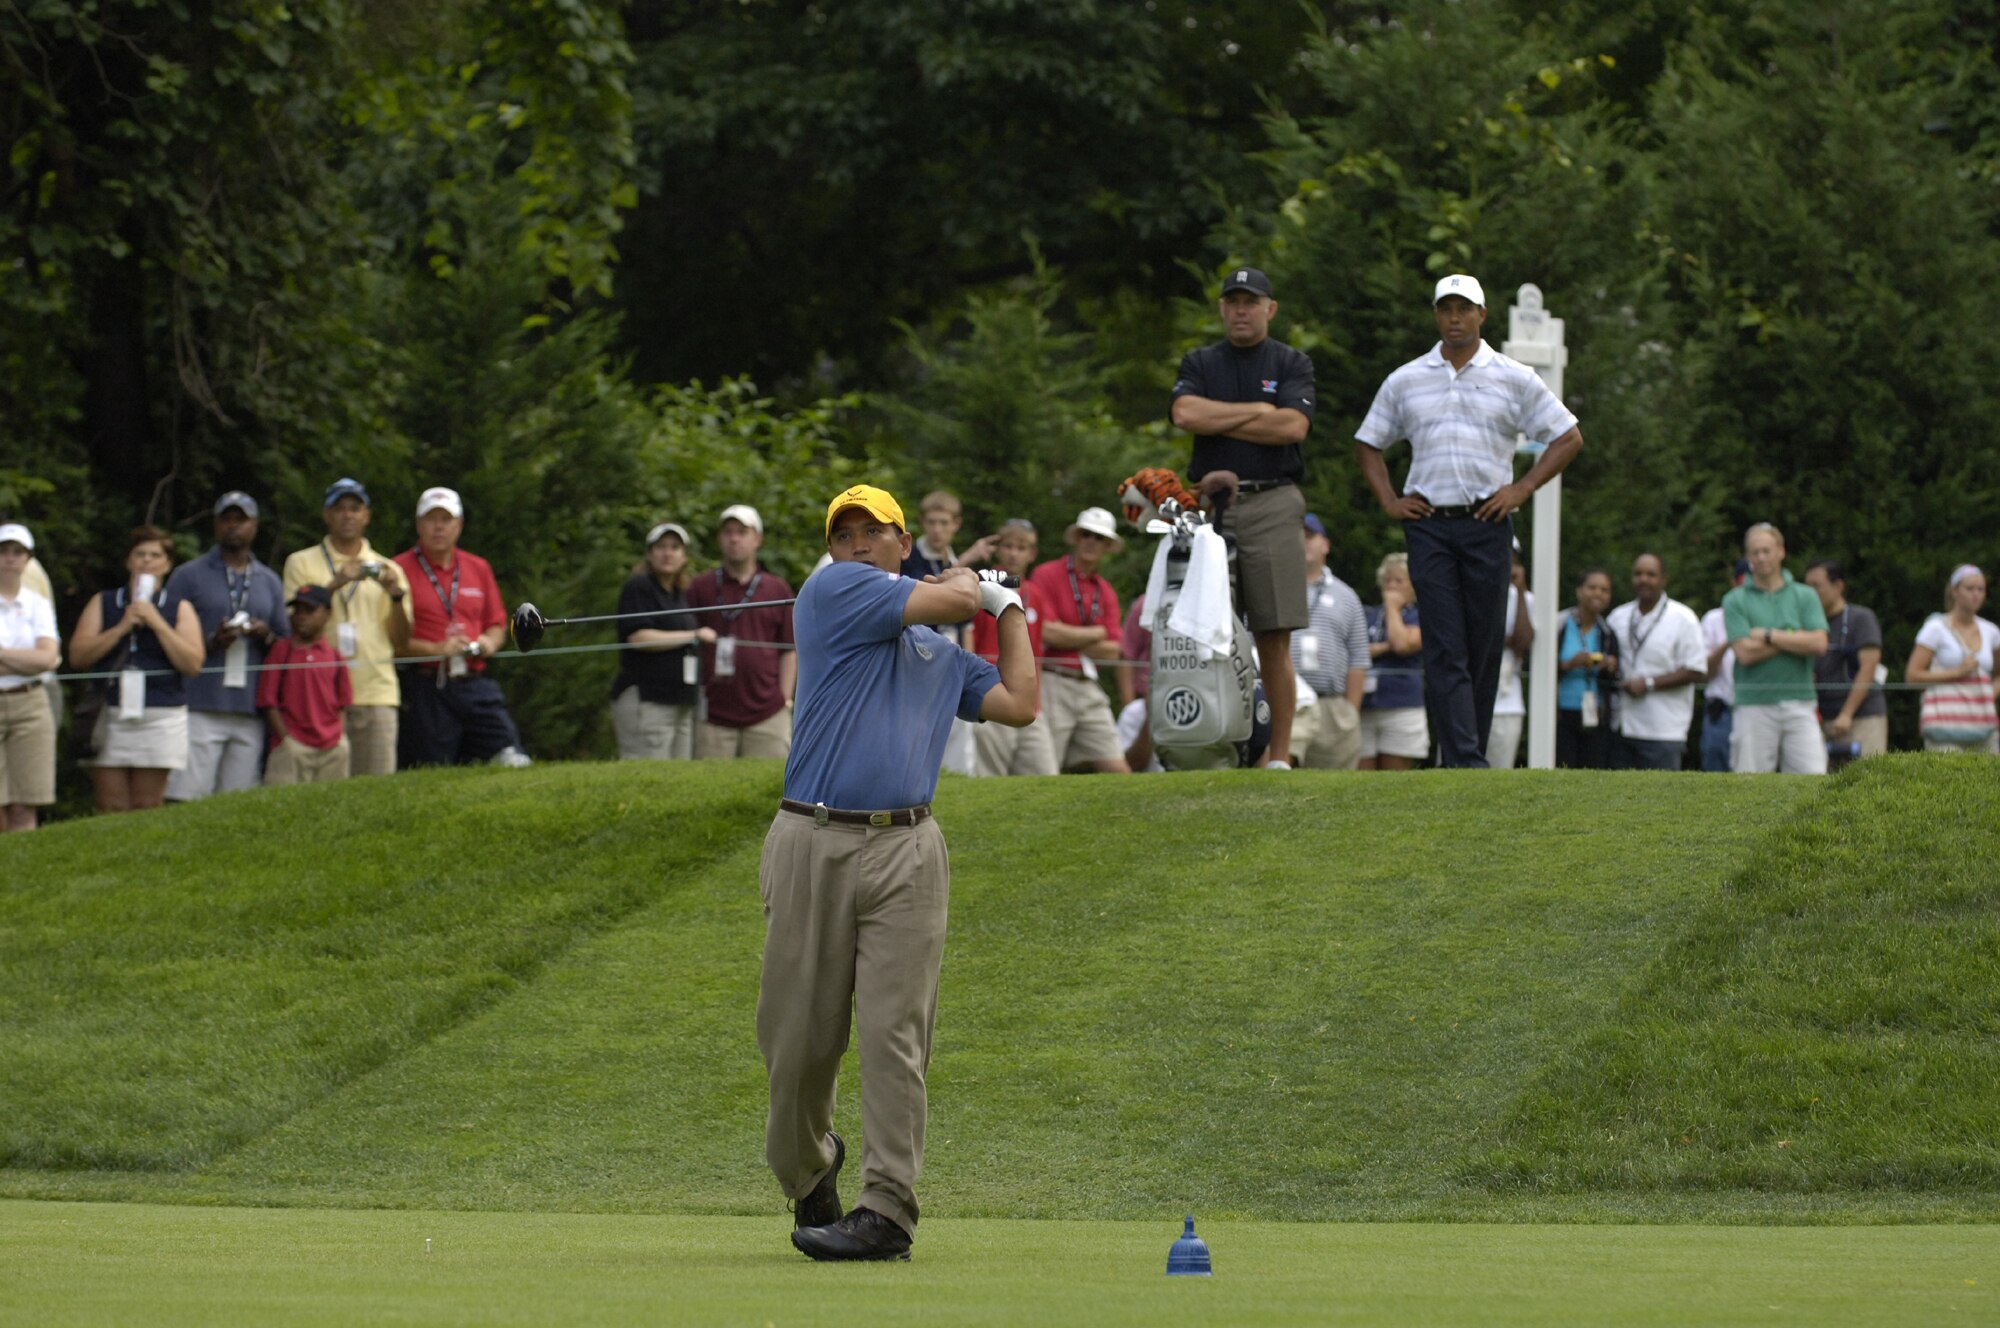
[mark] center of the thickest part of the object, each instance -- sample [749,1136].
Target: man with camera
[370,622]
[241,605]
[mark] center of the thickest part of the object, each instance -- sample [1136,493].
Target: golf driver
[529,624]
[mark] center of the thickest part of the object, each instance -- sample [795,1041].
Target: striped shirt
[1338,628]
[1461,423]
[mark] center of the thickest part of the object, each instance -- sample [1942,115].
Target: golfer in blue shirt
[854,878]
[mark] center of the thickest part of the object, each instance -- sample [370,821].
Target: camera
[371,570]
[240,620]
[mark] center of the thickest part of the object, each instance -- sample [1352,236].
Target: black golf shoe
[862,1234]
[821,1208]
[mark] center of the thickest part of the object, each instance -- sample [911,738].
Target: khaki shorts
[371,738]
[1081,726]
[1270,532]
[1326,735]
[768,738]
[1005,750]
[1780,736]
[650,731]
[1871,731]
[1403,731]
[292,762]
[27,748]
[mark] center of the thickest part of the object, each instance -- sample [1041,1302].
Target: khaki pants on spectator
[1782,736]
[1503,742]
[1871,731]
[766,738]
[292,762]
[1326,735]
[650,731]
[1011,751]
[371,739]
[854,923]
[1082,728]
[27,748]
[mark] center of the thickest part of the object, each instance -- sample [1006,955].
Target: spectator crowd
[223,673]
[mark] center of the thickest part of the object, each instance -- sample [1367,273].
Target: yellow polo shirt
[367,605]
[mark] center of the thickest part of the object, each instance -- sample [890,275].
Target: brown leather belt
[822,814]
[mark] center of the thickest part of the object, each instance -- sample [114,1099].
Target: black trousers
[1461,568]
[465,720]
[1579,748]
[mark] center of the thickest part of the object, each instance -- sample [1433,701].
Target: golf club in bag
[1207,709]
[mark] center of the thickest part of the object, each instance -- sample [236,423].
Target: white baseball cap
[433,499]
[743,512]
[1095,521]
[667,528]
[17,533]
[1461,285]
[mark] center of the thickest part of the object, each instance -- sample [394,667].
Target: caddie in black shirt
[1248,400]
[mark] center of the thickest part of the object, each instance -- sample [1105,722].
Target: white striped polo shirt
[1461,423]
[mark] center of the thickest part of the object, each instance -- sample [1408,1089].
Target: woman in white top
[1956,648]
[28,649]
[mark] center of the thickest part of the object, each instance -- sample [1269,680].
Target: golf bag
[1207,710]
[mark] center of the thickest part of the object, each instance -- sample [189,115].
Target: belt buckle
[819,813]
[881,818]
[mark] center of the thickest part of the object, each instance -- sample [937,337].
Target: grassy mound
[1315,996]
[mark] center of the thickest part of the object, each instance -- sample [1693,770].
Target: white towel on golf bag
[1203,610]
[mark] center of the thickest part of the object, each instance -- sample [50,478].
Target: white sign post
[1536,340]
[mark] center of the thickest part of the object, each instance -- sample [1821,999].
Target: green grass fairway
[170,1266]
[1457,995]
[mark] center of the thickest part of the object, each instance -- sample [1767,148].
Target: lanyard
[1076,592]
[750,593]
[239,590]
[1639,639]
[353,587]
[456,567]
[132,637]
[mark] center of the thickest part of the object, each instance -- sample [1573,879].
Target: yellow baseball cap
[876,502]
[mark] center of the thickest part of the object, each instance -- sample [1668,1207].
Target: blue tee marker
[1189,1256]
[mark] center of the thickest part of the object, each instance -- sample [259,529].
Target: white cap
[1460,284]
[743,512]
[17,533]
[1096,521]
[667,528]
[441,497]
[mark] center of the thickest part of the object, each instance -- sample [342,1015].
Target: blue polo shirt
[875,698]
[216,593]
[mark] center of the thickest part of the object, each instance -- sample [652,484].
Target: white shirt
[1948,652]
[1650,645]
[1722,687]
[1461,423]
[1509,700]
[24,620]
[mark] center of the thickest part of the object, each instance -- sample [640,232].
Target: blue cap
[345,488]
[238,499]
[1316,526]
[1189,1256]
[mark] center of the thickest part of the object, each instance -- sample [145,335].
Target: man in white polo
[1661,658]
[1461,406]
[370,622]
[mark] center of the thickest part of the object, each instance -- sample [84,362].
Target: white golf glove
[994,597]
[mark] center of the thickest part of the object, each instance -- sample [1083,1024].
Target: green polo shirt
[1790,608]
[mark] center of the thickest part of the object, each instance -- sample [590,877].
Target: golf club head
[528,628]
[1159,527]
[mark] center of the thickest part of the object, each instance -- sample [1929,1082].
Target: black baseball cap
[317,596]
[1247,278]
[345,487]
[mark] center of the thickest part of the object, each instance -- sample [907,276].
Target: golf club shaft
[661,613]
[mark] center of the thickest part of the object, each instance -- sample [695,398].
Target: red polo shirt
[752,695]
[475,605]
[309,700]
[1079,600]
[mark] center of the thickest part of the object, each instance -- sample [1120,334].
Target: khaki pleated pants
[854,921]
